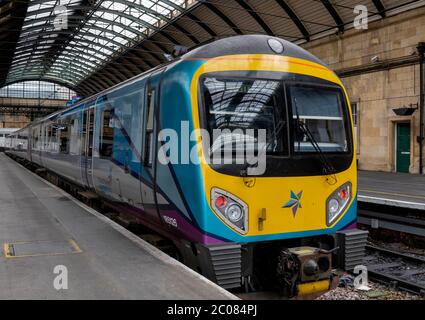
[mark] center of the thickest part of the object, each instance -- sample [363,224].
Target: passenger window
[74,147]
[148,159]
[107,134]
[64,138]
[35,135]
[49,139]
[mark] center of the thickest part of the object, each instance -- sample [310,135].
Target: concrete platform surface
[397,189]
[41,227]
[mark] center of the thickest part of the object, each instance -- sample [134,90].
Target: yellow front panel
[272,194]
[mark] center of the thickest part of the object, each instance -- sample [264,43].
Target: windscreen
[320,110]
[237,108]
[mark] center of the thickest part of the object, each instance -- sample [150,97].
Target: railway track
[399,270]
[398,219]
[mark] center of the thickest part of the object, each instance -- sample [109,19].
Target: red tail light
[344,194]
[221,202]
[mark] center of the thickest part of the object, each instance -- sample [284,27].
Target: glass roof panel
[94,36]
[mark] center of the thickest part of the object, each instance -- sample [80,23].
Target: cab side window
[149,125]
[107,134]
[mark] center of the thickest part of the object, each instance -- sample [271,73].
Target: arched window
[37,90]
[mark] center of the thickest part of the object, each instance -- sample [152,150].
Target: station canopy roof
[90,45]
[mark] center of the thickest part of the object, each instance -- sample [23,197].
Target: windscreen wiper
[272,139]
[328,168]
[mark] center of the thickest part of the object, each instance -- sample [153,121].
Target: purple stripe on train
[351,226]
[174,219]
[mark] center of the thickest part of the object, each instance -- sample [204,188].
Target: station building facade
[380,69]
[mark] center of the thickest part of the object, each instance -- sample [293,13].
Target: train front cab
[293,225]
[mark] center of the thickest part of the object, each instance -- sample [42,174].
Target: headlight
[234,213]
[231,209]
[337,203]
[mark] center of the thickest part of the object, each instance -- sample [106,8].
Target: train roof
[251,44]
[235,45]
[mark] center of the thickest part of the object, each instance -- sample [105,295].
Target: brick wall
[13,121]
[377,93]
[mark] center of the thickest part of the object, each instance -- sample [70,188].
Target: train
[287,222]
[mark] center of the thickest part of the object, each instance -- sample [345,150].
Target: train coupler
[304,270]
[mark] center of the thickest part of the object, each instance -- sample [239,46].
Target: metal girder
[94,83]
[11,17]
[100,9]
[23,54]
[186,33]
[157,57]
[174,5]
[297,21]
[64,32]
[40,38]
[255,16]
[124,70]
[334,14]
[380,7]
[54,72]
[81,60]
[170,38]
[56,81]
[25,50]
[30,77]
[202,24]
[136,59]
[160,46]
[223,17]
[41,68]
[101,82]
[144,9]
[91,88]
[114,22]
[192,17]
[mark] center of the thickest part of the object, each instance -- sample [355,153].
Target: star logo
[294,203]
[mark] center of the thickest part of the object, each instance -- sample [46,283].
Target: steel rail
[377,272]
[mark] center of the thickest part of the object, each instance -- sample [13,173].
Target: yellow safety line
[393,194]
[75,245]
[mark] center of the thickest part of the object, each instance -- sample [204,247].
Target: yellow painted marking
[75,245]
[392,194]
[313,287]
[8,254]
[6,250]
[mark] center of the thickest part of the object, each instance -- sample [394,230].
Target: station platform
[42,227]
[394,189]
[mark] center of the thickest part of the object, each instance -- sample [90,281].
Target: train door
[149,145]
[86,160]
